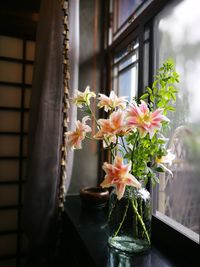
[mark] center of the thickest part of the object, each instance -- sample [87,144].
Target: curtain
[45,126]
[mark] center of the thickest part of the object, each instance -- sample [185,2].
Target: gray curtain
[40,203]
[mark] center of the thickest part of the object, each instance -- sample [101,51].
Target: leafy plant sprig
[133,130]
[161,95]
[163,91]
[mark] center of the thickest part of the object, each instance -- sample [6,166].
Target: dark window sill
[85,240]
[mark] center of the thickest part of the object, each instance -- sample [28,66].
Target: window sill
[85,238]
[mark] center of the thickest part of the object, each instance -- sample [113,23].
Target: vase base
[129,245]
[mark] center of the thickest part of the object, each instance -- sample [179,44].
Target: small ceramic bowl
[94,197]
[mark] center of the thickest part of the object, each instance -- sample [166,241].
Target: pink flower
[76,137]
[111,102]
[118,122]
[105,129]
[141,117]
[115,125]
[118,175]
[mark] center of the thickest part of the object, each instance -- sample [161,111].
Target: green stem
[121,223]
[141,221]
[136,227]
[93,115]
[111,149]
[111,210]
[141,208]
[132,153]
[141,213]
[124,145]
[98,126]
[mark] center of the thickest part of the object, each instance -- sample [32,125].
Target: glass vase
[129,221]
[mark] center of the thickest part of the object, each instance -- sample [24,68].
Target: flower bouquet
[133,131]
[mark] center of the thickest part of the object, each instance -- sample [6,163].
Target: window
[178,196]
[141,37]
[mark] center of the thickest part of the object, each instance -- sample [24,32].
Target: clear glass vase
[129,221]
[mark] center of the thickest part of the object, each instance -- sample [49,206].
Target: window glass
[146,57]
[177,36]
[124,12]
[126,8]
[125,71]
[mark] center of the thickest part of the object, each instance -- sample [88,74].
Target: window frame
[170,240]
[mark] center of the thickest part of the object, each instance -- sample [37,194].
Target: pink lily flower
[111,102]
[115,125]
[141,117]
[76,137]
[118,175]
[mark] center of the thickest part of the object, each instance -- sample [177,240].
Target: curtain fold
[43,174]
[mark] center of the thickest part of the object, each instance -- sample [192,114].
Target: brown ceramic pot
[94,197]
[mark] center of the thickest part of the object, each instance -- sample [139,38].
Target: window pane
[10,96]
[10,72]
[128,82]
[9,146]
[125,71]
[8,195]
[10,121]
[8,219]
[11,47]
[177,36]
[9,170]
[124,8]
[124,13]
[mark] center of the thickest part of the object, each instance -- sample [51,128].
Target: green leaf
[88,111]
[144,96]
[149,90]
[152,98]
[159,169]
[174,97]
[155,90]
[170,108]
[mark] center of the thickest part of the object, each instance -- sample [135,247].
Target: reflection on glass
[125,71]
[128,83]
[131,59]
[146,64]
[126,8]
[130,51]
[179,196]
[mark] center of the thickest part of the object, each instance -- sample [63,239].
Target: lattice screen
[16,68]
